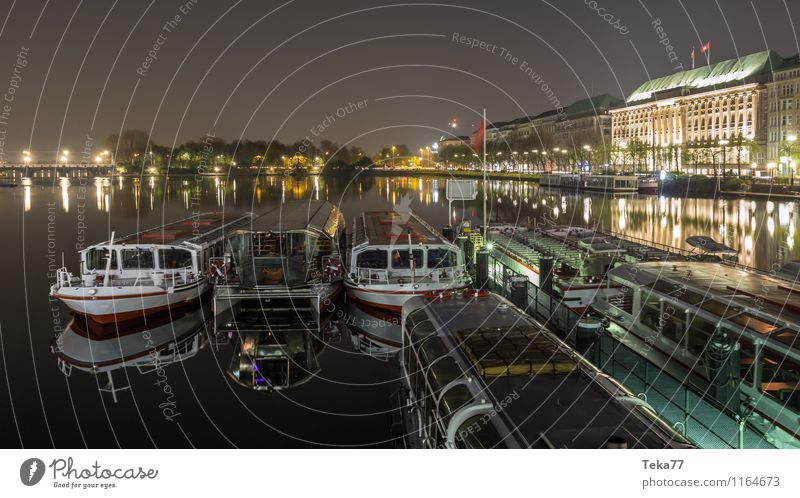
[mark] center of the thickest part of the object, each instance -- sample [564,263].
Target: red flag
[705,48]
[477,139]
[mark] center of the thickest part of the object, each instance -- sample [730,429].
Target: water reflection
[764,231]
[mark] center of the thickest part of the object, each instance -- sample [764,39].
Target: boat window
[415,317]
[169,259]
[137,259]
[700,331]
[477,433]
[780,379]
[663,318]
[749,321]
[444,258]
[788,337]
[747,358]
[373,258]
[97,259]
[421,331]
[400,258]
[442,373]
[431,349]
[453,400]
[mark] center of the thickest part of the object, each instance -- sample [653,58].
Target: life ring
[216,270]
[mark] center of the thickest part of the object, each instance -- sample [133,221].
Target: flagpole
[485,193]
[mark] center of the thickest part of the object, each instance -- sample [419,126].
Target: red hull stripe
[101,298]
[129,315]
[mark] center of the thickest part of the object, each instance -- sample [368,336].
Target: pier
[708,417]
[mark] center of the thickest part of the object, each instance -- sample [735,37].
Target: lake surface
[348,402]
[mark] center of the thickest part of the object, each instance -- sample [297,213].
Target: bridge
[45,170]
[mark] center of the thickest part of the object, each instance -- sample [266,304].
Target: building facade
[584,121]
[783,116]
[713,117]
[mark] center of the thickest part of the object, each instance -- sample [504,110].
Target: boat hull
[392,297]
[648,190]
[114,304]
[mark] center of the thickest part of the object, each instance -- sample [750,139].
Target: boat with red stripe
[396,256]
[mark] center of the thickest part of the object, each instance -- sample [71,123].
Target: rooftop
[755,303]
[198,229]
[751,68]
[321,216]
[544,392]
[381,228]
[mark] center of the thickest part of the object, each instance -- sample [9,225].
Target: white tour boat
[395,256]
[150,271]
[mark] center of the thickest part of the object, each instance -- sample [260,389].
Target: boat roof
[321,216]
[709,245]
[557,398]
[197,229]
[382,228]
[752,302]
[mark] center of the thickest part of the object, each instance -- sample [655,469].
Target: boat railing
[649,243]
[158,278]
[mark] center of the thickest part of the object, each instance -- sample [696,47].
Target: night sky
[264,70]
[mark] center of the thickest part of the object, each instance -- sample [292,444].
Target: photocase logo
[31,471]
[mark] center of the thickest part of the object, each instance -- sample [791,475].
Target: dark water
[348,403]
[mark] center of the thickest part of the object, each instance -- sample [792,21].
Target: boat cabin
[290,246]
[393,247]
[177,252]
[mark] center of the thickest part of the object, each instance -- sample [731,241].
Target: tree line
[134,148]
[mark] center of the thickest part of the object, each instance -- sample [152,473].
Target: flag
[476,143]
[692,56]
[705,48]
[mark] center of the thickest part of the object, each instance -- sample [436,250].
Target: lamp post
[588,149]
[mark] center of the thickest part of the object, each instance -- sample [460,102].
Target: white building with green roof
[701,120]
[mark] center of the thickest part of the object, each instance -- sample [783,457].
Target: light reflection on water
[763,231]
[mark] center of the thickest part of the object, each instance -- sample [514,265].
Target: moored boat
[474,369]
[146,272]
[579,259]
[282,270]
[648,185]
[395,256]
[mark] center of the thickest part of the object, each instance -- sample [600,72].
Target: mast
[110,257]
[485,193]
[412,263]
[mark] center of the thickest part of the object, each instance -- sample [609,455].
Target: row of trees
[133,147]
[536,152]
